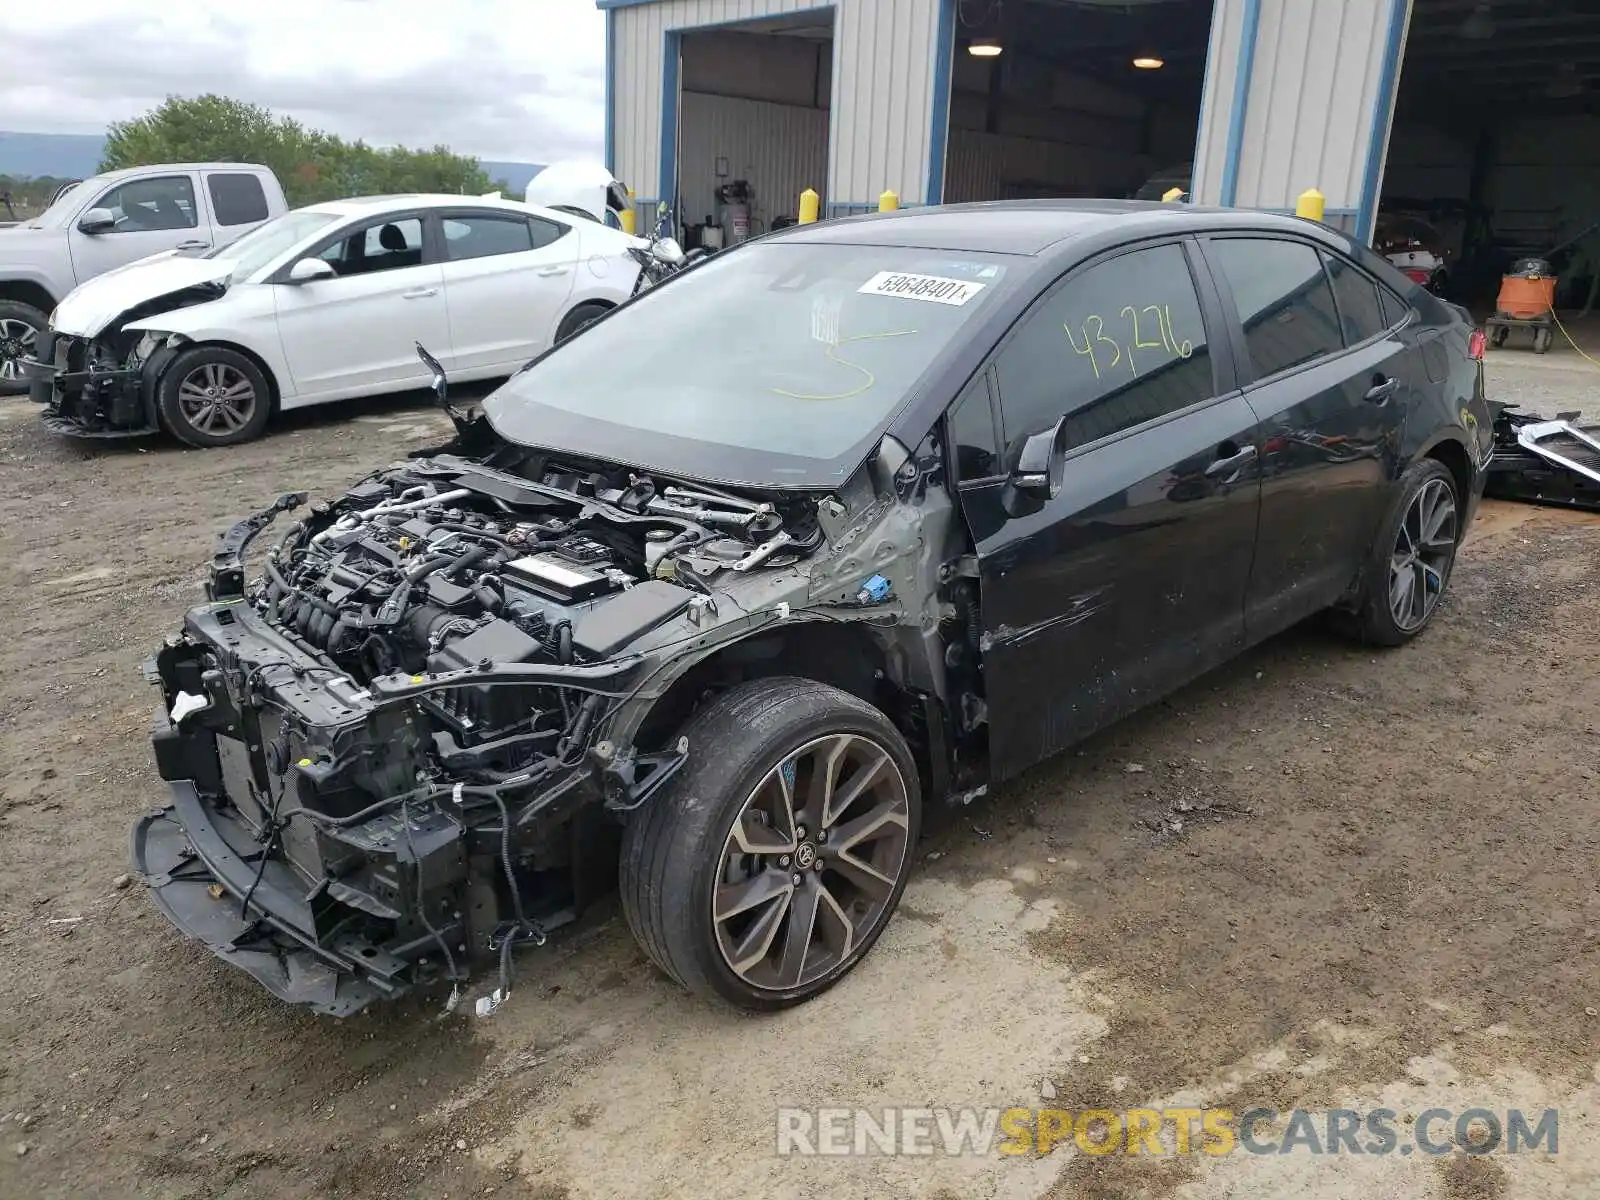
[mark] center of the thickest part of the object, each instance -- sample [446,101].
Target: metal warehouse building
[1477,116]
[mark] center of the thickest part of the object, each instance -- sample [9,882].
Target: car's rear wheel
[579,317]
[773,861]
[213,396]
[20,327]
[1413,558]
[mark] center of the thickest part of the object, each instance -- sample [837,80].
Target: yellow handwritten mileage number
[1106,353]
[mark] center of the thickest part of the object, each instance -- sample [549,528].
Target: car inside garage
[1074,97]
[752,124]
[1492,181]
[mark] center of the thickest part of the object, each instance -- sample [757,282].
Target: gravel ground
[1318,877]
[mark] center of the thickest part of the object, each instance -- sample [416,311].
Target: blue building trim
[1241,100]
[607,5]
[611,93]
[943,67]
[1382,109]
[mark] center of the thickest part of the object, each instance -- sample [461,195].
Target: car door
[1131,579]
[506,280]
[149,215]
[356,333]
[1331,387]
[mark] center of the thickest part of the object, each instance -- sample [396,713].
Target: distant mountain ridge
[76,155]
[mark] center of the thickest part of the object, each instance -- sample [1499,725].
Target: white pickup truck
[114,219]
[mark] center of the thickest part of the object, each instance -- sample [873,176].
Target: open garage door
[1074,97]
[1495,155]
[751,125]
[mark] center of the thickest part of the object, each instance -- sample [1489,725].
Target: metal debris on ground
[1542,460]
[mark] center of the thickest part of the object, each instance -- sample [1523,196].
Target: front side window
[151,205]
[236,198]
[1360,308]
[1283,300]
[1116,345]
[386,246]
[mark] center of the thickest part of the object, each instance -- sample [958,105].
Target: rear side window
[1395,309]
[484,237]
[236,199]
[1116,345]
[1360,306]
[544,232]
[1283,299]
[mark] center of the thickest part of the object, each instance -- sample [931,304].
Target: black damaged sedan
[711,600]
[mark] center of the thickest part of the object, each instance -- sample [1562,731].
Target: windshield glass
[775,363]
[61,208]
[260,246]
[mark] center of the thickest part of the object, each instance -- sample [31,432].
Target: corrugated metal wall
[885,57]
[882,93]
[1314,81]
[781,149]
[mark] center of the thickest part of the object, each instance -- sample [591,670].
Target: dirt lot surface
[1320,877]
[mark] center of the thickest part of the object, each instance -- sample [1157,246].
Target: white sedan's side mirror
[308,269]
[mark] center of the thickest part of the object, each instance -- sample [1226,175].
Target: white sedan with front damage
[323,303]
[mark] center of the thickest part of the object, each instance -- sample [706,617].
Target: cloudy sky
[520,80]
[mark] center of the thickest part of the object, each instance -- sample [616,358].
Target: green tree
[311,164]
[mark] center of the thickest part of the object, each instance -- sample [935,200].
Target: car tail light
[1476,345]
[1416,274]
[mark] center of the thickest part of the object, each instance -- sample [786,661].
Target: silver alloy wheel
[811,861]
[217,398]
[17,341]
[1423,550]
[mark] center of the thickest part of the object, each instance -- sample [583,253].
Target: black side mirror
[1039,472]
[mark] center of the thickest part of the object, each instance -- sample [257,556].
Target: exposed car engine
[391,735]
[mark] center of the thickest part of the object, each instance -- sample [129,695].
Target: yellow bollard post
[1172,195]
[630,222]
[1311,205]
[810,206]
[888,202]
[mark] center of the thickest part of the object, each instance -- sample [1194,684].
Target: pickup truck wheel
[768,867]
[213,396]
[20,327]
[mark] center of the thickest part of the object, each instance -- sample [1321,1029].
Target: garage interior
[752,124]
[1074,97]
[1496,148]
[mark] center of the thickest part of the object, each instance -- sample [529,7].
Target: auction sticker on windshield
[934,288]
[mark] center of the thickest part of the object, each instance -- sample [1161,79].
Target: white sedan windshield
[260,246]
[795,350]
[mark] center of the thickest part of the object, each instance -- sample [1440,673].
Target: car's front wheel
[20,327]
[1415,553]
[768,867]
[214,396]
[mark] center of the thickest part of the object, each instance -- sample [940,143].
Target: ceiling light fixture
[984,47]
[1149,62]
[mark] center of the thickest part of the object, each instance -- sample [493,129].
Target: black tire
[1498,335]
[226,369]
[673,851]
[579,317]
[14,345]
[1375,621]
[1541,340]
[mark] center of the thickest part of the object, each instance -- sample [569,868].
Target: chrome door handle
[194,245]
[1232,464]
[551,271]
[419,293]
[1380,392]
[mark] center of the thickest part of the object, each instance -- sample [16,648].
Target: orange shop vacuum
[1527,301]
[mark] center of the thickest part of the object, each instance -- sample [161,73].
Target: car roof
[1028,227]
[164,168]
[356,206]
